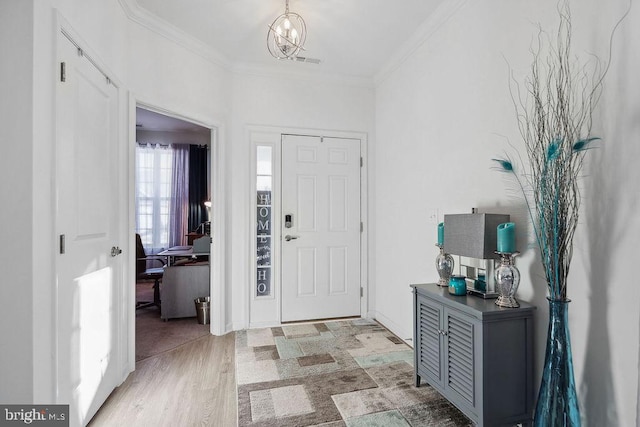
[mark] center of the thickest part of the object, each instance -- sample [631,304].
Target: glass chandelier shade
[286,35]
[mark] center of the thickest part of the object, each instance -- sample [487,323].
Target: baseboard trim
[403,333]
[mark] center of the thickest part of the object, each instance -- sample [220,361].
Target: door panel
[338,270]
[306,280]
[87,216]
[307,203]
[338,202]
[321,257]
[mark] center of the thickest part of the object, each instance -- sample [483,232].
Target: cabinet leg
[417,380]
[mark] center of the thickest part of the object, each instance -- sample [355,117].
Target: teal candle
[457,285]
[441,234]
[507,237]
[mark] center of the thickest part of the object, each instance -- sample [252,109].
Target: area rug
[349,373]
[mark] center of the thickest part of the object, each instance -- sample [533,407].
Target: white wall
[166,74]
[444,112]
[16,123]
[280,102]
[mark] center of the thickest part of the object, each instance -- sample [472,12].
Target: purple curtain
[179,212]
[198,192]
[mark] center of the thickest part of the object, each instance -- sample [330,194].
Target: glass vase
[507,280]
[557,399]
[444,266]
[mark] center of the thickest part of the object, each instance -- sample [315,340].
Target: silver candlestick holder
[507,280]
[444,266]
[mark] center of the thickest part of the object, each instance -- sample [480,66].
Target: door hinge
[62,244]
[361,291]
[361,162]
[361,226]
[63,72]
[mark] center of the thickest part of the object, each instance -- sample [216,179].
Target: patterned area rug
[342,373]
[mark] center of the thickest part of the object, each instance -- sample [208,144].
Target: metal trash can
[202,310]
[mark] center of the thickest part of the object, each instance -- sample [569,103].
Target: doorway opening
[173,163]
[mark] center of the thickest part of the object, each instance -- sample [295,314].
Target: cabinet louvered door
[430,340]
[460,355]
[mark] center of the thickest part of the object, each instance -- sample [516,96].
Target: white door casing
[87,223]
[320,260]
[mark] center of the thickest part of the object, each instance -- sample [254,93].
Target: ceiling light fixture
[286,35]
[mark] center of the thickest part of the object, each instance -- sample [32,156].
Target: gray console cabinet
[476,354]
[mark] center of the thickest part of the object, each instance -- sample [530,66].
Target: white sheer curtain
[179,213]
[162,195]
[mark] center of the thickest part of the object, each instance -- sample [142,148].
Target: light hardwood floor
[192,385]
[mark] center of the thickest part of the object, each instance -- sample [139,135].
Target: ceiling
[352,38]
[152,121]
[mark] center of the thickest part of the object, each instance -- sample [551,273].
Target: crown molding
[142,17]
[163,28]
[445,11]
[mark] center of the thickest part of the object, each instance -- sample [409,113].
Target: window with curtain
[154,175]
[168,182]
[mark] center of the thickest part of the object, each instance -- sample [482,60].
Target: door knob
[115,251]
[289,237]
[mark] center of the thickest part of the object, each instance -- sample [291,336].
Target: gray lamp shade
[472,235]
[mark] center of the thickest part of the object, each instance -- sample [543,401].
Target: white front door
[321,242]
[88,276]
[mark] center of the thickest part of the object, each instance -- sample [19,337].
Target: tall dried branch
[555,120]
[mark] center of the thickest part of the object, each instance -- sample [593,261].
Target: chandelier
[286,35]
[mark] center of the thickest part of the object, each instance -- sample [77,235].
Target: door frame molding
[218,224]
[254,137]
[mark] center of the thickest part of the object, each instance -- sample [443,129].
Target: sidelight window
[264,221]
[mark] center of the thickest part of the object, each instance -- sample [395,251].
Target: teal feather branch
[553,150]
[506,165]
[583,144]
[557,110]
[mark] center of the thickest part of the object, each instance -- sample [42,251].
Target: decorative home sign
[263,247]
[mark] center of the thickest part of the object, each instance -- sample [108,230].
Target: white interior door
[88,276]
[321,248]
